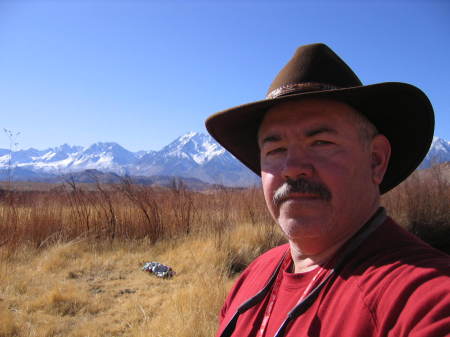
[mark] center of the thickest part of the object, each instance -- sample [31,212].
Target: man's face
[317,146]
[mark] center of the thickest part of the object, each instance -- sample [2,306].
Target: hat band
[299,88]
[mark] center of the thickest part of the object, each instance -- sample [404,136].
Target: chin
[305,227]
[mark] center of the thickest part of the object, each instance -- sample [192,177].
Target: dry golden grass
[81,289]
[71,258]
[8,326]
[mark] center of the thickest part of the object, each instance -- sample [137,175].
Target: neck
[304,261]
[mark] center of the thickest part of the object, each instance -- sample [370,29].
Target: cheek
[348,182]
[269,186]
[272,166]
[337,176]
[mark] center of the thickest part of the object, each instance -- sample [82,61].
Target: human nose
[297,165]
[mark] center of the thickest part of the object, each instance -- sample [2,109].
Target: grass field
[80,289]
[71,257]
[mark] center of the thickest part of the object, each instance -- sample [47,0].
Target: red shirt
[291,289]
[393,285]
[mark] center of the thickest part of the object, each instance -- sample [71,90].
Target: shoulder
[404,281]
[392,247]
[392,257]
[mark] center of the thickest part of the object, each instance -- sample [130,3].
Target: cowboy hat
[400,111]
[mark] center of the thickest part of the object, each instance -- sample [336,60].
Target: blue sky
[142,73]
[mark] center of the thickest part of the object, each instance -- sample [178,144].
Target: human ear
[381,152]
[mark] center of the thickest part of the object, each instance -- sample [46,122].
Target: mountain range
[193,155]
[196,156]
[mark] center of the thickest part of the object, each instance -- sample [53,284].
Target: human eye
[320,142]
[275,151]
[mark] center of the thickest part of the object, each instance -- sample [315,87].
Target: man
[326,147]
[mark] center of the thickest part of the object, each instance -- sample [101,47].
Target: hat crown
[314,65]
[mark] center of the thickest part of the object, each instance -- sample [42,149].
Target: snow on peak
[210,150]
[439,144]
[103,146]
[188,136]
[439,152]
[194,145]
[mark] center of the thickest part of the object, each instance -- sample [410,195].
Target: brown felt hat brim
[400,111]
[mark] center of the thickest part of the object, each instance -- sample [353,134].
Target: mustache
[300,186]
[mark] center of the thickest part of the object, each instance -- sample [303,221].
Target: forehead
[308,113]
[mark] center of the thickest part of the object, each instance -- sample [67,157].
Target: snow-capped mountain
[193,155]
[196,155]
[191,149]
[65,158]
[197,147]
[439,153]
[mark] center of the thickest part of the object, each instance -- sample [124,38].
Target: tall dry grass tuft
[62,301]
[124,212]
[145,199]
[421,204]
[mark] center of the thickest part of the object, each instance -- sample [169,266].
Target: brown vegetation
[422,205]
[70,257]
[122,212]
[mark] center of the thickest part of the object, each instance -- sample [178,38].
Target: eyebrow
[319,130]
[270,139]
[309,133]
